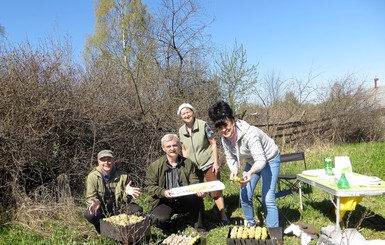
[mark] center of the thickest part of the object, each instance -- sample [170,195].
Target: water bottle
[328,166]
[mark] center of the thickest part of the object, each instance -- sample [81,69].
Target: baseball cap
[105,153]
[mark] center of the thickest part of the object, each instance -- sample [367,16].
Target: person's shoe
[200,229]
[224,222]
[249,224]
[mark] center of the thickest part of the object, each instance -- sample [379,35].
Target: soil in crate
[139,231]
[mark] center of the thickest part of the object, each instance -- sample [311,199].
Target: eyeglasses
[108,160]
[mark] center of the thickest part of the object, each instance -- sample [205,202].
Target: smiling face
[187,116]
[106,164]
[227,129]
[171,148]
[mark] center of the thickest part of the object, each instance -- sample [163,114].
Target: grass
[366,158]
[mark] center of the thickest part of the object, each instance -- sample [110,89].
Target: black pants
[168,207]
[131,208]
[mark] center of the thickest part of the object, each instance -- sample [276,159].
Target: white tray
[314,172]
[201,187]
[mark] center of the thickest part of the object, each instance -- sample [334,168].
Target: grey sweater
[253,146]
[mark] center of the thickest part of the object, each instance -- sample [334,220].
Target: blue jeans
[269,175]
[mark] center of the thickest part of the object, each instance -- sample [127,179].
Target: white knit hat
[185,105]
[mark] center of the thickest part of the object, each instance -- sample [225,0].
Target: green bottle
[343,182]
[328,166]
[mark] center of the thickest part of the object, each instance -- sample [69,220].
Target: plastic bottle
[343,183]
[328,166]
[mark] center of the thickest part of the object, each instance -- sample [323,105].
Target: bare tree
[236,77]
[182,44]
[180,32]
[297,97]
[271,89]
[350,110]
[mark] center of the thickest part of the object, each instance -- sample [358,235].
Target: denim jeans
[269,175]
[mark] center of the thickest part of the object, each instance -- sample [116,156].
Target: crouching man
[167,172]
[109,191]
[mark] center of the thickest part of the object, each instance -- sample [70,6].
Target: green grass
[366,158]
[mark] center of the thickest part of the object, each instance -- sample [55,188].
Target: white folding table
[324,184]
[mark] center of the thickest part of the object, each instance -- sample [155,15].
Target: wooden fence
[296,132]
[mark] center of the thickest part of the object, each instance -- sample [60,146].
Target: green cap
[105,153]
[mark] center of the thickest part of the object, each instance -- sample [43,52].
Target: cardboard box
[274,238]
[138,231]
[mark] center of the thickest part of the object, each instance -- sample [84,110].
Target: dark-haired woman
[248,144]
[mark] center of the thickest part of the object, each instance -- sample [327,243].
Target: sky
[328,38]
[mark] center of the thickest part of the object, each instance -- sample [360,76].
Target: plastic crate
[274,238]
[200,241]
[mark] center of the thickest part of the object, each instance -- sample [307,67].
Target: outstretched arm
[132,191]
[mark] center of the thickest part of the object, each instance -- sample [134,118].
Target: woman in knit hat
[199,145]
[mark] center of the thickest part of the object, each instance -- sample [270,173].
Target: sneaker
[249,224]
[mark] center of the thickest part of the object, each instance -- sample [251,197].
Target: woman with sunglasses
[249,147]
